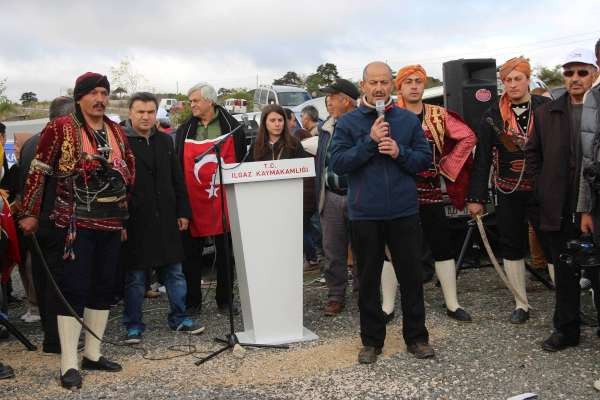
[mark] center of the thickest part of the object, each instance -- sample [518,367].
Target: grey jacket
[590,128]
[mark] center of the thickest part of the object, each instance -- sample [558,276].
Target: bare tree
[3,98]
[125,76]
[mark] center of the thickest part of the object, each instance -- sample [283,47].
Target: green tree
[328,73]
[224,93]
[28,98]
[552,77]
[314,83]
[432,82]
[6,106]
[119,92]
[179,117]
[325,75]
[290,78]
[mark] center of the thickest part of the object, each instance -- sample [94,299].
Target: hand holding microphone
[380,128]
[380,133]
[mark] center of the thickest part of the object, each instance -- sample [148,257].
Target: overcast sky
[45,45]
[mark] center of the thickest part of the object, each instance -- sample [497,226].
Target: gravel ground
[487,359]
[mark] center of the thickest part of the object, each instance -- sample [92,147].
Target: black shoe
[519,316]
[6,371]
[459,314]
[224,309]
[558,341]
[368,354]
[421,350]
[3,333]
[103,364]
[71,379]
[389,317]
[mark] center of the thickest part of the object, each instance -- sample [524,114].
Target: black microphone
[490,122]
[217,143]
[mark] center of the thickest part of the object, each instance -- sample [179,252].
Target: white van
[285,96]
[167,103]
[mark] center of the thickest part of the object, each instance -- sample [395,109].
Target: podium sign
[265,201]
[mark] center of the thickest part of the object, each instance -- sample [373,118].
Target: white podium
[265,214]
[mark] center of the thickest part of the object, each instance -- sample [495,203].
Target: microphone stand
[231,339]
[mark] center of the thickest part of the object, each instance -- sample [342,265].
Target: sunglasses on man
[580,72]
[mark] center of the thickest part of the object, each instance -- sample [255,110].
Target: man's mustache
[101,105]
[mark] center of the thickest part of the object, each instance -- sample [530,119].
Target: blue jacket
[380,187]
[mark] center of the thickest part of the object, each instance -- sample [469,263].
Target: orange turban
[518,63]
[404,73]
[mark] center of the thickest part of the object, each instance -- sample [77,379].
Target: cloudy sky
[173,44]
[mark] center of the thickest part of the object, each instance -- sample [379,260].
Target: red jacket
[59,154]
[8,232]
[455,141]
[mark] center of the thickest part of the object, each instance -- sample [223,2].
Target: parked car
[167,104]
[285,96]
[236,106]
[250,122]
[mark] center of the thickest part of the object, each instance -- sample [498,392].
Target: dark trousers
[52,242]
[512,214]
[193,265]
[89,279]
[223,290]
[308,235]
[437,232]
[403,237]
[566,318]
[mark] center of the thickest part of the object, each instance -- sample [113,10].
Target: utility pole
[177,84]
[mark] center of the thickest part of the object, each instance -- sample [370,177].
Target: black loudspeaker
[470,88]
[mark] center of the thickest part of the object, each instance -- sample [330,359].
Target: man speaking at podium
[381,148]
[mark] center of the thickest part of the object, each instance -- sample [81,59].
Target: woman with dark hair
[273,140]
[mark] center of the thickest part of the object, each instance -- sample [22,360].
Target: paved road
[29,126]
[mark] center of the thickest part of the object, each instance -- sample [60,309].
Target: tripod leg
[539,277]
[211,356]
[463,249]
[266,346]
[15,332]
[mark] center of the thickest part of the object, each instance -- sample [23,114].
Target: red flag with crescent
[8,232]
[201,179]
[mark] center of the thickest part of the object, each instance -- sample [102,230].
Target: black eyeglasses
[580,72]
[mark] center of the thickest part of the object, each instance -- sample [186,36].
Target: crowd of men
[96,196]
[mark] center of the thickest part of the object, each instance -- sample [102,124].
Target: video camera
[582,252]
[591,174]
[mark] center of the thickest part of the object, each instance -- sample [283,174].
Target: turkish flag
[8,232]
[201,179]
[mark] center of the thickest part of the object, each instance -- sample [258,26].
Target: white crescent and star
[208,159]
